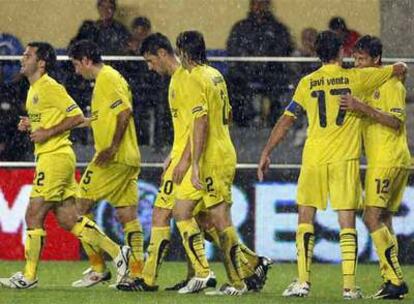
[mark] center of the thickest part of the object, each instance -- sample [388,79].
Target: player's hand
[180,170]
[348,102]
[195,177]
[264,164]
[105,156]
[40,135]
[24,124]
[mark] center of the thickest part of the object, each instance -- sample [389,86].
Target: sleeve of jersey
[63,101]
[117,96]
[395,97]
[372,78]
[198,98]
[296,107]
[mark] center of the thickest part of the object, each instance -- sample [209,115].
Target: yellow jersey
[48,104]
[384,146]
[333,134]
[208,92]
[180,110]
[111,95]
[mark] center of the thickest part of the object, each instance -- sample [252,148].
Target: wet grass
[56,277]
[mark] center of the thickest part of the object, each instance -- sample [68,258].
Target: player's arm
[279,132]
[349,102]
[181,169]
[41,135]
[199,140]
[122,121]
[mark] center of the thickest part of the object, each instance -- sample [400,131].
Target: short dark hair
[45,52]
[192,43]
[85,48]
[337,23]
[113,2]
[327,46]
[370,44]
[141,21]
[154,42]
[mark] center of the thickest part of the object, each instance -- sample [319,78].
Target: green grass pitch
[55,278]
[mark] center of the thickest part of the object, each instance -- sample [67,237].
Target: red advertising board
[15,186]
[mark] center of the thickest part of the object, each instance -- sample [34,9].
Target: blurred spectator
[110,35]
[140,29]
[260,34]
[349,37]
[9,45]
[307,49]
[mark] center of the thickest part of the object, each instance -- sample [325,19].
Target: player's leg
[258,264]
[191,236]
[348,240]
[88,231]
[98,271]
[229,243]
[312,195]
[159,244]
[35,234]
[345,192]
[160,228]
[382,200]
[193,242]
[134,238]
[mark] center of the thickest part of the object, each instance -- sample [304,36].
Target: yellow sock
[32,249]
[394,238]
[250,255]
[381,264]
[134,238]
[349,248]
[387,253]
[249,259]
[212,236]
[233,257]
[194,246]
[305,240]
[95,255]
[88,232]
[157,250]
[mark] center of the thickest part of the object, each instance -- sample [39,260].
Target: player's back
[180,110]
[334,134]
[384,146]
[211,84]
[111,96]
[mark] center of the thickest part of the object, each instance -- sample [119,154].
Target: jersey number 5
[320,95]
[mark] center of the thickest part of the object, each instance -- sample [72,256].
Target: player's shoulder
[393,84]
[108,74]
[179,74]
[207,75]
[49,85]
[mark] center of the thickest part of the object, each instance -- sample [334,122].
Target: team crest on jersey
[35,99]
[377,94]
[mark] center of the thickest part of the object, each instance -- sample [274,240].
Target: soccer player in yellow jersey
[213,163]
[159,55]
[113,172]
[52,113]
[330,161]
[388,157]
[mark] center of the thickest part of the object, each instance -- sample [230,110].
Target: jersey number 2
[320,95]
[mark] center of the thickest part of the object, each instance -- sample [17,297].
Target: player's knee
[371,220]
[161,217]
